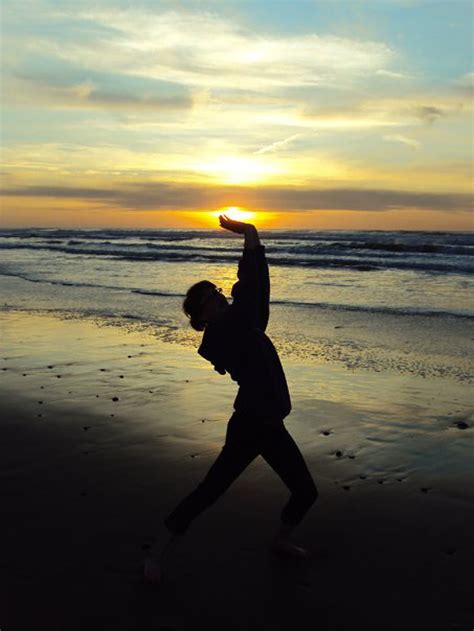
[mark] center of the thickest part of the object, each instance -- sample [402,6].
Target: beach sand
[104,430]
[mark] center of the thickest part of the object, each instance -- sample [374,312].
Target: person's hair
[192,303]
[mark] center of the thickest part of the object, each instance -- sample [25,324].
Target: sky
[297,114]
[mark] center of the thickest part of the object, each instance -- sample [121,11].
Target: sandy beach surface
[104,430]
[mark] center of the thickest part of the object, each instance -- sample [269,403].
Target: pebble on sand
[50,367]
[461,424]
[325,433]
[338,454]
[115,398]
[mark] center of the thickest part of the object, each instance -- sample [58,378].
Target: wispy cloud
[411,142]
[278,144]
[203,49]
[391,74]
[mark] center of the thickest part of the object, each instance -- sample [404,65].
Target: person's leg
[237,453]
[283,455]
[240,449]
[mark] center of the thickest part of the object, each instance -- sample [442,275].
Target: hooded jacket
[237,343]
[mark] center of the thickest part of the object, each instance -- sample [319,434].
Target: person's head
[204,303]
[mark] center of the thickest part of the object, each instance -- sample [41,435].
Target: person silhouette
[235,342]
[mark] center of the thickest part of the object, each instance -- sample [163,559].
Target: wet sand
[104,430]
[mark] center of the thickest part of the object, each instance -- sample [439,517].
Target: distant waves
[361,251]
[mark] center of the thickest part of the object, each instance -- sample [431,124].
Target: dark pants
[246,438]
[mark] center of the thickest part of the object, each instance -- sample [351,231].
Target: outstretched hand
[234,226]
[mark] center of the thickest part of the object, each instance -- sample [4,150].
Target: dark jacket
[237,343]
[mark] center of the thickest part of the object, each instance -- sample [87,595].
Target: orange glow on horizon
[37,212]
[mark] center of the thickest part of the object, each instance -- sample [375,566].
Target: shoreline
[81,505]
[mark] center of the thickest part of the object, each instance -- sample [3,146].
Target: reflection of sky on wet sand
[358,428]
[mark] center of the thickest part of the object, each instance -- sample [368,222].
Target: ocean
[377,300]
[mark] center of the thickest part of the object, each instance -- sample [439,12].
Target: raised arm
[251,292]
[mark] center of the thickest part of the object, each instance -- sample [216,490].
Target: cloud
[428,113]
[279,144]
[172,196]
[465,83]
[411,142]
[398,111]
[391,75]
[89,94]
[203,49]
